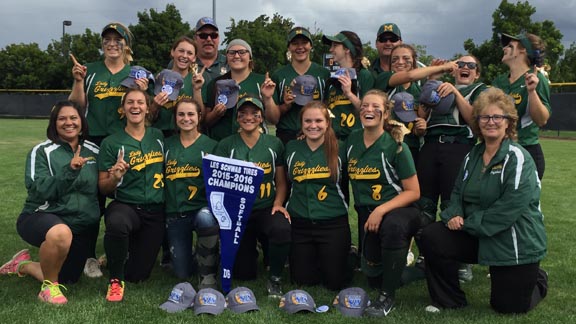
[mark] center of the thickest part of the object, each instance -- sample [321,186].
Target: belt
[447,139]
[149,207]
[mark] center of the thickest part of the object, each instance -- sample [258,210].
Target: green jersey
[218,68]
[103,98]
[527,129]
[376,172]
[165,120]
[184,182]
[143,183]
[452,123]
[314,194]
[54,187]
[268,153]
[290,121]
[227,124]
[345,116]
[382,83]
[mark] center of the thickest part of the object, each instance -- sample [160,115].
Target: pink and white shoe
[11,267]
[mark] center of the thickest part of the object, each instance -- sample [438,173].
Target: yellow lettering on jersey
[363,173]
[338,100]
[301,172]
[158,183]
[139,161]
[193,190]
[267,166]
[517,98]
[103,91]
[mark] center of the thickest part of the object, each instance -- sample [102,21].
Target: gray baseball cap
[181,297]
[241,300]
[209,301]
[296,301]
[351,301]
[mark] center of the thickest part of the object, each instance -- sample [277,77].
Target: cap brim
[208,310]
[244,308]
[506,38]
[330,39]
[129,83]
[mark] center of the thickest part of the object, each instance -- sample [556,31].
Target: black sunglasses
[470,65]
[206,35]
[384,38]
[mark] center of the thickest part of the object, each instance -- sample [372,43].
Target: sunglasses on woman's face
[470,65]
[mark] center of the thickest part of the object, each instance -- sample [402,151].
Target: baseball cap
[522,38]
[120,29]
[351,301]
[342,71]
[296,301]
[339,38]
[241,300]
[181,297]
[299,31]
[205,21]
[389,28]
[170,82]
[431,98]
[304,88]
[253,100]
[227,92]
[136,72]
[404,107]
[209,301]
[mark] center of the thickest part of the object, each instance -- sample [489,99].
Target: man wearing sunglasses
[388,36]
[208,41]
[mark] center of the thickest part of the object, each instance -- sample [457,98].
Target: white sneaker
[432,309]
[92,268]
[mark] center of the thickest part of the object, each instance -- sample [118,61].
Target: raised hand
[78,70]
[198,79]
[77,161]
[119,169]
[267,88]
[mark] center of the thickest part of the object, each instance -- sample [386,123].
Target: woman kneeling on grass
[493,218]
[62,204]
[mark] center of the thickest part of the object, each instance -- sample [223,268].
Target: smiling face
[183,55]
[373,111]
[385,43]
[338,50]
[490,129]
[402,59]
[513,52]
[113,44]
[314,124]
[135,105]
[465,75]
[237,61]
[187,117]
[300,48]
[249,118]
[68,124]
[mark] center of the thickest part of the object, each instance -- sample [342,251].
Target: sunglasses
[206,35]
[470,65]
[388,38]
[239,52]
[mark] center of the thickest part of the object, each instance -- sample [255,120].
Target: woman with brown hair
[318,210]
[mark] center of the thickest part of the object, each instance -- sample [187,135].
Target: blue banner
[231,188]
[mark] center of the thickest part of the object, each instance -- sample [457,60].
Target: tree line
[26,66]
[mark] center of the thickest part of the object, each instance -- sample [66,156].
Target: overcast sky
[442,26]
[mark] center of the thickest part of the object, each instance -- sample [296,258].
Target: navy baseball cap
[136,72]
[351,301]
[404,107]
[431,98]
[227,92]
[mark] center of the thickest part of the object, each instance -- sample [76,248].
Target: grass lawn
[86,298]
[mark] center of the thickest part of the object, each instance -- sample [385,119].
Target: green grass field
[19,303]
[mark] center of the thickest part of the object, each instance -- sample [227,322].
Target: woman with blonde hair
[494,218]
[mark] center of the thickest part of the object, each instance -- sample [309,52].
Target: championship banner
[231,188]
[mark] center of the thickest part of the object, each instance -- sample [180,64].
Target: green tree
[85,47]
[154,35]
[565,71]
[512,19]
[266,36]
[24,66]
